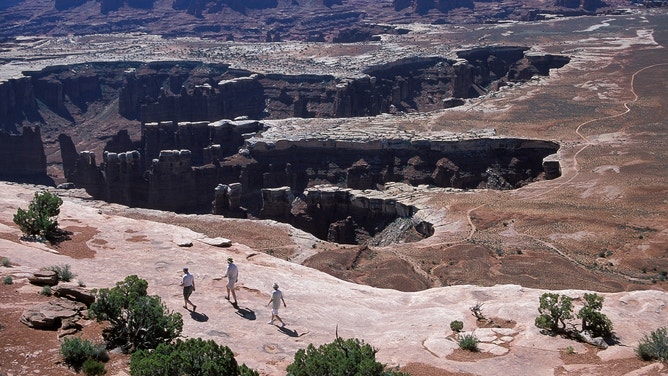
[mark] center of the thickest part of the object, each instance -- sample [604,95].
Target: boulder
[217,242]
[76,293]
[44,277]
[51,314]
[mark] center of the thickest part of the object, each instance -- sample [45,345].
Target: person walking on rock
[232,274]
[188,283]
[275,301]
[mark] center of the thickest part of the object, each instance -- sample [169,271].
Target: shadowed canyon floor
[601,226]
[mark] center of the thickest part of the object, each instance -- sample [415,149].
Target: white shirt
[188,279]
[232,272]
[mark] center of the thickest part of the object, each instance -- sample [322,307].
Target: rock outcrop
[44,278]
[17,103]
[75,293]
[22,157]
[194,91]
[48,316]
[238,168]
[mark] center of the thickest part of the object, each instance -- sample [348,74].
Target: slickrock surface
[406,327]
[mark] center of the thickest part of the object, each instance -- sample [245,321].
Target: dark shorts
[187,291]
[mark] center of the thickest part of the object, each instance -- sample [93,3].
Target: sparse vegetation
[191,357]
[39,220]
[5,262]
[137,320]
[597,323]
[341,357]
[7,280]
[46,290]
[654,346]
[477,311]
[76,351]
[93,367]
[63,271]
[570,350]
[456,326]
[468,342]
[554,311]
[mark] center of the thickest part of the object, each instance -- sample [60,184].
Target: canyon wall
[179,165]
[194,91]
[22,157]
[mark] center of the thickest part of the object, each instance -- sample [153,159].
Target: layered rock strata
[194,91]
[180,165]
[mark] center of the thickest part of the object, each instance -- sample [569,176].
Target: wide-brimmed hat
[230,260]
[275,285]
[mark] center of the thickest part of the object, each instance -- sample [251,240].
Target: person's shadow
[245,312]
[290,332]
[197,316]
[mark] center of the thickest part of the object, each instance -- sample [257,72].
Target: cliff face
[17,103]
[187,91]
[22,157]
[194,91]
[210,154]
[200,167]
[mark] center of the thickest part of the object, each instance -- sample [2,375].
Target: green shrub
[137,320]
[39,220]
[468,342]
[63,271]
[597,323]
[341,357]
[554,310]
[191,357]
[7,280]
[5,262]
[654,346]
[93,367]
[456,326]
[75,351]
[46,290]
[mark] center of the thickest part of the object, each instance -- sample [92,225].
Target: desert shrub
[597,323]
[456,326]
[341,357]
[7,280]
[39,220]
[137,320]
[654,346]
[468,342]
[554,310]
[93,368]
[477,311]
[46,290]
[75,351]
[191,357]
[5,262]
[63,271]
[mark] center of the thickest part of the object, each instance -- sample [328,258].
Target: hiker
[275,301]
[188,283]
[232,274]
